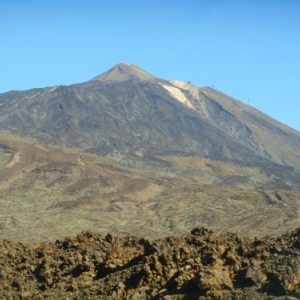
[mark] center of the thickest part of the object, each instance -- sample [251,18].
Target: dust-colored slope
[47,192]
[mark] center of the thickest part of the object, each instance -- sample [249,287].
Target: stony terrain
[197,265]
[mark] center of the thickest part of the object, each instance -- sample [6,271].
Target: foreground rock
[199,265]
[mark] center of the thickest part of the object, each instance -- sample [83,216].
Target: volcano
[130,112]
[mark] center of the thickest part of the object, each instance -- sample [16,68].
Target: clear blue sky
[247,49]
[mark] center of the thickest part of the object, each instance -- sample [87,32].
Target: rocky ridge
[198,265]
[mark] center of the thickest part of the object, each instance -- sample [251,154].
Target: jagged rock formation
[198,265]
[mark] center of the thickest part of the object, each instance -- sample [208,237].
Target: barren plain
[48,192]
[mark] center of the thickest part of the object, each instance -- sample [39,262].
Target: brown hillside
[48,193]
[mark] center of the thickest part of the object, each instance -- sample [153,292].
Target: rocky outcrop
[198,265]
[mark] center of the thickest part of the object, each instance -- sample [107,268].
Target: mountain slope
[49,192]
[263,134]
[128,111]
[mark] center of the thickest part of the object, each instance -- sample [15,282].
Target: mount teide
[128,111]
[169,157]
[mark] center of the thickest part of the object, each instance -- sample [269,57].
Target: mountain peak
[125,72]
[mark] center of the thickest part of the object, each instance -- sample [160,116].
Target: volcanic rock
[198,265]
